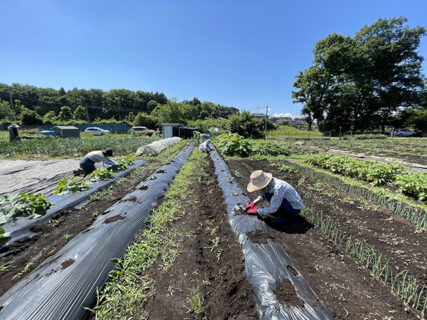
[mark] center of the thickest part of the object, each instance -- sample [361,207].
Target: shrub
[232,144]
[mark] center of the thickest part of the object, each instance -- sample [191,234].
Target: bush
[246,125]
[232,144]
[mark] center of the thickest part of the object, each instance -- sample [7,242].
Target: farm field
[24,256]
[360,258]
[347,288]
[405,149]
[48,147]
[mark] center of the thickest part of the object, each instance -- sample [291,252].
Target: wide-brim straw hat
[259,180]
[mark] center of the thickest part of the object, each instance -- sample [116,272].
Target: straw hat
[15,125]
[259,180]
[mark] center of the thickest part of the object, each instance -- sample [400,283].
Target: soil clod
[292,270]
[259,236]
[114,219]
[132,199]
[286,294]
[67,263]
[143,188]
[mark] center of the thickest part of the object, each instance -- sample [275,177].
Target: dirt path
[210,266]
[346,288]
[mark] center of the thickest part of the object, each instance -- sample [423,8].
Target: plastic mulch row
[67,281]
[267,265]
[20,229]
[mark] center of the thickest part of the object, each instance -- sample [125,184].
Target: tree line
[35,105]
[366,82]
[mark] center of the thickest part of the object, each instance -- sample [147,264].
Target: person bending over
[89,160]
[284,200]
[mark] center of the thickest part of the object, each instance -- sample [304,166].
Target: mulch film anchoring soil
[346,288]
[286,294]
[57,232]
[259,236]
[216,273]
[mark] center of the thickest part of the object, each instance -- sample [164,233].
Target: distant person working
[89,160]
[13,133]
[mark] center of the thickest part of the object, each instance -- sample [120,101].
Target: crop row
[67,147]
[409,183]
[413,214]
[402,283]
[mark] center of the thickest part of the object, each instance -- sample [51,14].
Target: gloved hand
[250,206]
[253,211]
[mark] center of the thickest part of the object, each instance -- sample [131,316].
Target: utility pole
[11,104]
[266,119]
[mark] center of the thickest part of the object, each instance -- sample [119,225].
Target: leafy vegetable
[73,185]
[27,205]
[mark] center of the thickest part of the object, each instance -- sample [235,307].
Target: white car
[96,131]
[403,133]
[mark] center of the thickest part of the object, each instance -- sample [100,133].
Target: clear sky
[237,53]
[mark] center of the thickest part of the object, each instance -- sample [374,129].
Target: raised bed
[67,281]
[280,290]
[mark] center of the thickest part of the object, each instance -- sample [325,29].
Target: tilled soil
[57,232]
[213,272]
[345,287]
[286,295]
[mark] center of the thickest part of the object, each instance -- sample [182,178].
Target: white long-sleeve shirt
[280,190]
[98,156]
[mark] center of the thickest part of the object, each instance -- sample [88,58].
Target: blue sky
[244,54]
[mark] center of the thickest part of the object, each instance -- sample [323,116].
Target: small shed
[67,131]
[171,130]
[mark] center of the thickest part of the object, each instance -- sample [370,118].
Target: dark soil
[225,291]
[131,199]
[67,263]
[259,236]
[292,270]
[143,188]
[114,219]
[345,287]
[52,238]
[160,171]
[286,294]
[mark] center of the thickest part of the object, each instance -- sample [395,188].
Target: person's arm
[275,202]
[258,199]
[109,161]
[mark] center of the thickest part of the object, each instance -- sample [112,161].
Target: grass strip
[128,287]
[398,204]
[402,283]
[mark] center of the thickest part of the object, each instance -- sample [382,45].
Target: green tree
[172,112]
[80,114]
[143,119]
[359,83]
[50,117]
[246,125]
[65,114]
[5,111]
[30,117]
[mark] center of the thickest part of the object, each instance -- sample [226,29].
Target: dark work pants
[285,207]
[87,165]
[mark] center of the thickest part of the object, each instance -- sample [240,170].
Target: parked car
[96,131]
[141,131]
[403,133]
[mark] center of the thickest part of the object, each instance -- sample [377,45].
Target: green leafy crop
[21,204]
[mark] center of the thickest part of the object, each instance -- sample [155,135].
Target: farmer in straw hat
[280,194]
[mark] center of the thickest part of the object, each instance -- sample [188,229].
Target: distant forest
[35,105]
